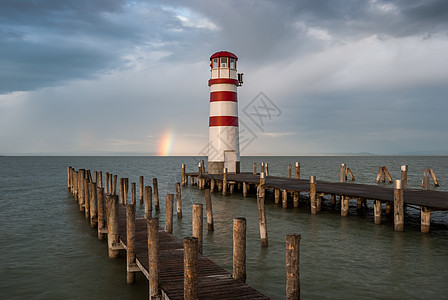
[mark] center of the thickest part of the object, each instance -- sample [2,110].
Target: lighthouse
[223,147]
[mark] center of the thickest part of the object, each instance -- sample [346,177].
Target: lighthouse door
[230,161]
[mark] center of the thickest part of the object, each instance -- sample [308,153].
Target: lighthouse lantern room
[223,147]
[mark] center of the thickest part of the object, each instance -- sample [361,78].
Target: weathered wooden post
[112,225]
[190,268]
[297,170]
[153,258]
[68,176]
[433,176]
[212,185]
[106,183]
[296,199]
[148,202]
[425,216]
[289,170]
[101,221]
[81,193]
[377,211]
[244,189]
[169,213]
[155,187]
[276,196]
[93,205]
[313,195]
[126,189]
[293,266]
[130,243]
[254,169]
[199,176]
[111,190]
[266,168]
[319,201]
[284,198]
[114,185]
[239,249]
[122,190]
[198,224]
[398,206]
[142,188]
[100,179]
[425,183]
[345,202]
[224,181]
[262,168]
[333,199]
[133,193]
[86,199]
[343,173]
[262,212]
[183,179]
[178,200]
[209,209]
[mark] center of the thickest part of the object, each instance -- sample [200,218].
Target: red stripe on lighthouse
[223,121]
[223,96]
[223,80]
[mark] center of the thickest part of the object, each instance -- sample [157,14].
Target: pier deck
[213,281]
[433,200]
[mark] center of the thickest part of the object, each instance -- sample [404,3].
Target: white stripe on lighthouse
[224,108]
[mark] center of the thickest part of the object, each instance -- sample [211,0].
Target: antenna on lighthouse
[240,79]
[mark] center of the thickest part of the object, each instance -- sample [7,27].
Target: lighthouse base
[217,167]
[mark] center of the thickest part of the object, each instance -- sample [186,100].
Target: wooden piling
[81,173]
[345,202]
[190,268]
[197,224]
[239,249]
[155,188]
[133,193]
[254,169]
[262,167]
[100,179]
[111,189]
[114,185]
[425,215]
[244,189]
[293,266]
[313,195]
[350,173]
[343,173]
[142,188]
[122,191]
[319,202]
[101,220]
[86,199]
[178,200]
[106,183]
[212,185]
[153,258]
[404,176]
[296,199]
[209,209]
[262,215]
[284,198]
[112,225]
[224,182]
[148,202]
[377,211]
[398,206]
[266,169]
[125,190]
[297,170]
[169,213]
[68,176]
[183,179]
[433,176]
[130,243]
[289,170]
[93,204]
[276,196]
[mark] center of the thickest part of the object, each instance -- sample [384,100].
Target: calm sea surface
[50,252]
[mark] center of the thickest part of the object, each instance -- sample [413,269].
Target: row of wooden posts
[100,204]
[316,198]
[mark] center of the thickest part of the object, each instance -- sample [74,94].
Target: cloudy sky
[340,76]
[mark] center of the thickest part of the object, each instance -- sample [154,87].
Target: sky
[131,77]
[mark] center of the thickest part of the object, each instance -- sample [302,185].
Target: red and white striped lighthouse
[223,148]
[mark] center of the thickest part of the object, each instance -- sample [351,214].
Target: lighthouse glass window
[223,62]
[232,63]
[215,63]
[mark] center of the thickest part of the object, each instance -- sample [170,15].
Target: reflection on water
[50,252]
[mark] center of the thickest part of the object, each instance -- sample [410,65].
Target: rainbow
[166,144]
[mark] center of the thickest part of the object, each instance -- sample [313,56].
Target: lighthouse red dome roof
[223,54]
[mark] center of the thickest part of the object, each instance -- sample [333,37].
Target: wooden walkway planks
[436,200]
[214,281]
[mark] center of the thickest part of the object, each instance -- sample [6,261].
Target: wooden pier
[174,269]
[287,190]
